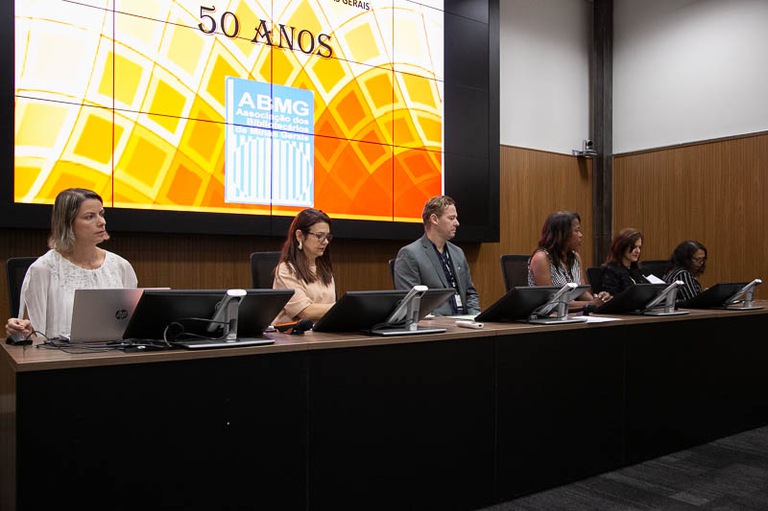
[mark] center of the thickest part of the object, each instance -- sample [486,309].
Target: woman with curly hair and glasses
[687,263]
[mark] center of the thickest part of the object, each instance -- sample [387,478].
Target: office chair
[391,263]
[16,269]
[514,268]
[595,278]
[263,269]
[656,266]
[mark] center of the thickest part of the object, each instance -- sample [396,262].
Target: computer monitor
[404,319]
[633,300]
[161,313]
[722,295]
[533,304]
[434,298]
[362,310]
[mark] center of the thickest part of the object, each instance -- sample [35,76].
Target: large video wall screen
[211,113]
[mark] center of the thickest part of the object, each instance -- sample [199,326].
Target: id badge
[457,301]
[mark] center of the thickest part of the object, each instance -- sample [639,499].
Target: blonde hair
[65,209]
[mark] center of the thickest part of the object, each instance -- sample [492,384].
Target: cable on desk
[63,344]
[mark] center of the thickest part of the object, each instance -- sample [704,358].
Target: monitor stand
[409,325]
[744,307]
[664,312]
[747,303]
[556,320]
[404,331]
[561,316]
[664,303]
[200,344]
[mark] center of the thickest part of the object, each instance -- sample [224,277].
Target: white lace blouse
[48,290]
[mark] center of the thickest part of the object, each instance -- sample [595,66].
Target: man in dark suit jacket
[435,262]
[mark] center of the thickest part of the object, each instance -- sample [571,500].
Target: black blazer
[617,277]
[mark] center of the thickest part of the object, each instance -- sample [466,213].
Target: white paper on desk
[598,319]
[653,279]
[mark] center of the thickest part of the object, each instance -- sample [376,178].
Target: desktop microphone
[294,327]
[302,326]
[18,339]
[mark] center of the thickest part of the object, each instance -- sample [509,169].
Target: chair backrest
[656,266]
[514,269]
[391,263]
[16,269]
[263,269]
[595,278]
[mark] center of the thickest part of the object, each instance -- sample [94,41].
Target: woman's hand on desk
[601,298]
[18,326]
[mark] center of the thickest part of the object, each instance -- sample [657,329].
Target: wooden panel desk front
[459,420]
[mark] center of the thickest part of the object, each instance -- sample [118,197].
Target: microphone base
[555,321]
[665,313]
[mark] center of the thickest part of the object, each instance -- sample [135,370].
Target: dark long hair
[682,257]
[624,239]
[296,259]
[555,235]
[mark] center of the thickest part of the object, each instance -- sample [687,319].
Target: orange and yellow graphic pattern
[128,98]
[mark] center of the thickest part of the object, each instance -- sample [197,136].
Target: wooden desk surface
[36,358]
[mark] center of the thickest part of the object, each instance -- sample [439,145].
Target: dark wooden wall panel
[715,192]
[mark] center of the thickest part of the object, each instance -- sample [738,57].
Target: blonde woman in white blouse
[74,261]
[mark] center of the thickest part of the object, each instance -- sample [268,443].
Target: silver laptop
[101,315]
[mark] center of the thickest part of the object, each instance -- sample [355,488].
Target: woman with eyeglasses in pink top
[305,266]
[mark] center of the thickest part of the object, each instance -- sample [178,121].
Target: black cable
[170,337]
[63,344]
[398,325]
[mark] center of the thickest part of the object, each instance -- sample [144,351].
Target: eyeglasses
[322,236]
[699,259]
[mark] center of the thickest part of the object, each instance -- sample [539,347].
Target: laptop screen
[101,315]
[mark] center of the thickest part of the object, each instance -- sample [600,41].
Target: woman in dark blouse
[621,268]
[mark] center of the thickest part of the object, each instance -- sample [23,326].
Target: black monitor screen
[193,309]
[633,299]
[520,302]
[714,297]
[359,310]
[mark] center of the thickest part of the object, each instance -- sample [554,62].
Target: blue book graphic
[270,147]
